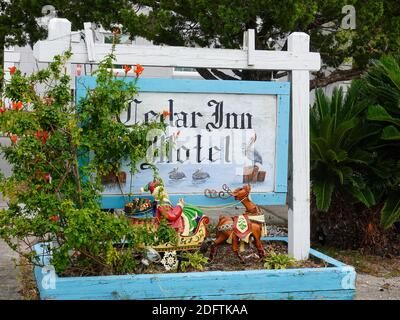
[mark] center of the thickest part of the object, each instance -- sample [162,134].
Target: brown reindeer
[225,225]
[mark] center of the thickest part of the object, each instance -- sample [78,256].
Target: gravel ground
[9,283]
[377,288]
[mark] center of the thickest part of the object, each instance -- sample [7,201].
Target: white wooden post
[299,205]
[89,40]
[59,29]
[11,59]
[251,44]
[60,34]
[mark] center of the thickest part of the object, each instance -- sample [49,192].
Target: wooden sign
[297,60]
[221,132]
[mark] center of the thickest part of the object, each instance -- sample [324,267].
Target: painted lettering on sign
[220,119]
[216,139]
[218,132]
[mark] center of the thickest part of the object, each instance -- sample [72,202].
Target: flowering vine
[53,192]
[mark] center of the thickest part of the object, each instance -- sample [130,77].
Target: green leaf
[337,156]
[391,210]
[379,113]
[344,174]
[323,194]
[340,175]
[390,133]
[363,195]
[327,127]
[390,65]
[319,147]
[341,130]
[322,103]
[361,157]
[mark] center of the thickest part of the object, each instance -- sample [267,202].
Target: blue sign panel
[222,132]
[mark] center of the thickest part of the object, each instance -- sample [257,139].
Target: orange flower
[138,70]
[54,218]
[3,109]
[42,136]
[17,105]
[12,69]
[166,113]
[13,138]
[127,68]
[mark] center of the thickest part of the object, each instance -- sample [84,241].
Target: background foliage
[221,23]
[355,160]
[382,92]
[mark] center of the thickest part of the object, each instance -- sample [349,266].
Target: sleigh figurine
[139,208]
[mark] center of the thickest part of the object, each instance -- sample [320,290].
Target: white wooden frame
[298,60]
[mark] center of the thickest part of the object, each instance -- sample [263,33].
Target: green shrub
[339,134]
[50,197]
[381,90]
[88,239]
[354,143]
[162,235]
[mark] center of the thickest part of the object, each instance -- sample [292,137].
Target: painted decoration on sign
[215,139]
[218,132]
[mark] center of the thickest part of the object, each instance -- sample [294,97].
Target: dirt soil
[353,227]
[226,260]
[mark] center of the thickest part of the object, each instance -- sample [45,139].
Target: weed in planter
[122,260]
[166,234]
[148,236]
[193,261]
[278,261]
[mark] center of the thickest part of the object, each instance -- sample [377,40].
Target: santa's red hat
[151,186]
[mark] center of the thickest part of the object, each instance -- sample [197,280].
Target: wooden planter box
[334,282]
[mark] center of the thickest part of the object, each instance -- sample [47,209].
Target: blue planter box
[334,282]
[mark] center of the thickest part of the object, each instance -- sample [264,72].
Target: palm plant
[339,158]
[355,141]
[380,88]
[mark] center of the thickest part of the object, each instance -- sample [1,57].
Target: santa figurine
[183,217]
[164,208]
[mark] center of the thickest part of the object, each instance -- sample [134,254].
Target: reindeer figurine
[241,228]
